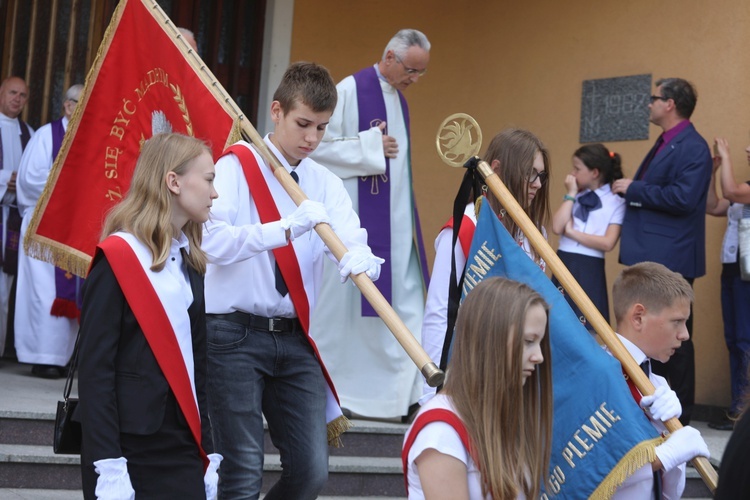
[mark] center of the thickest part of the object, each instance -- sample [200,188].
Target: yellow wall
[522,64]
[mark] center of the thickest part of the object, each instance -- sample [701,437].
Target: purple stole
[13,230]
[67,303]
[374,195]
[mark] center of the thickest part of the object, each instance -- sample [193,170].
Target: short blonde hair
[650,284]
[146,210]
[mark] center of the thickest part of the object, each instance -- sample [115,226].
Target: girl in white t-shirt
[589,222]
[488,433]
[522,162]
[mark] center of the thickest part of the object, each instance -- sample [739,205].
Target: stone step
[26,466]
[28,494]
[30,466]
[366,438]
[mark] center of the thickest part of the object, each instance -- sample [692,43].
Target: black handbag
[67,440]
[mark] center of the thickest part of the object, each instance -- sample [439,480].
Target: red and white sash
[151,298]
[427,417]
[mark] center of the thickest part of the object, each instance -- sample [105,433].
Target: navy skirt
[590,274]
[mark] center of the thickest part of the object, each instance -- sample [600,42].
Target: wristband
[567,197]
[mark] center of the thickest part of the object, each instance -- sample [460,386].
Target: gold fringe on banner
[37,246]
[640,455]
[336,428]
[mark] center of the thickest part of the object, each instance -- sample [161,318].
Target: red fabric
[633,389]
[153,320]
[429,416]
[64,308]
[140,71]
[465,233]
[285,256]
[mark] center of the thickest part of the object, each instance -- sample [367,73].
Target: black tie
[646,367]
[280,283]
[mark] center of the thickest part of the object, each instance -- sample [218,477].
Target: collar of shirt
[672,132]
[280,157]
[633,349]
[380,75]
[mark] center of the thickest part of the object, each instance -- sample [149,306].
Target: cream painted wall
[522,64]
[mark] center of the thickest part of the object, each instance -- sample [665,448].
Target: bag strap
[72,369]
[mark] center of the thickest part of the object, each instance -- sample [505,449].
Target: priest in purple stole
[367,144]
[46,314]
[14,136]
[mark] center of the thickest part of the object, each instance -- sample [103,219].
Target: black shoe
[724,424]
[47,371]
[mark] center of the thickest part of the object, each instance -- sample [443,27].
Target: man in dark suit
[665,212]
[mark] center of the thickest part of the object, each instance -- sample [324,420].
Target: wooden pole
[414,350]
[602,327]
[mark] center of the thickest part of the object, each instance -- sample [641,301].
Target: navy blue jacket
[665,216]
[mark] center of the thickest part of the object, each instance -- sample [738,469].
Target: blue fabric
[587,203]
[596,420]
[665,216]
[252,373]
[735,297]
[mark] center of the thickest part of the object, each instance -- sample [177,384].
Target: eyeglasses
[410,71]
[657,98]
[534,175]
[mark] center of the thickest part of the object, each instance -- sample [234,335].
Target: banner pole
[602,327]
[432,374]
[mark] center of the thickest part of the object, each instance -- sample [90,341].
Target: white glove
[663,404]
[359,261]
[211,479]
[113,482]
[305,217]
[681,446]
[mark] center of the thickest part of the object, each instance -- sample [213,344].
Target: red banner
[145,80]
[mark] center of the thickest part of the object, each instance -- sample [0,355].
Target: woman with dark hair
[589,222]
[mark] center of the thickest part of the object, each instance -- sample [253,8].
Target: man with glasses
[367,144]
[46,313]
[665,212]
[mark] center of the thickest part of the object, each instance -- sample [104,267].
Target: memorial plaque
[615,109]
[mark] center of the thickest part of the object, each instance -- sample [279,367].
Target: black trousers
[680,370]
[164,465]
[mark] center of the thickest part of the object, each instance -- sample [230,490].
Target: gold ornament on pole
[458,139]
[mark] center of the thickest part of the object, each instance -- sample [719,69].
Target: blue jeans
[735,300]
[253,373]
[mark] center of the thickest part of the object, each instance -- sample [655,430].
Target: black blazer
[120,385]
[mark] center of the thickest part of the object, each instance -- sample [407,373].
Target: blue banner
[600,435]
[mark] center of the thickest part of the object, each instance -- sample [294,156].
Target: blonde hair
[146,210]
[515,150]
[650,284]
[509,422]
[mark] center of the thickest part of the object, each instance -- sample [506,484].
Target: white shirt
[641,483]
[240,274]
[611,212]
[35,167]
[442,437]
[10,131]
[172,286]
